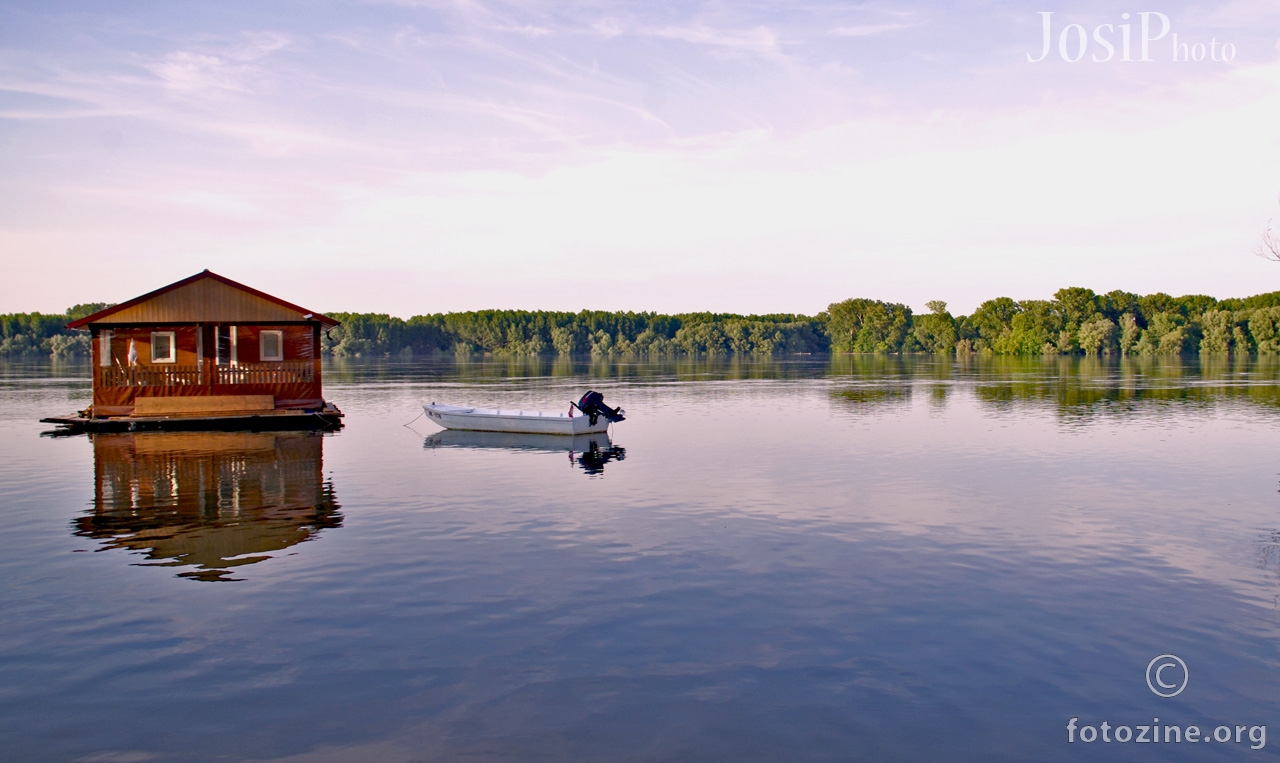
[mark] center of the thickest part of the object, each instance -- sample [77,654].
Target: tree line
[34,334]
[1077,321]
[597,333]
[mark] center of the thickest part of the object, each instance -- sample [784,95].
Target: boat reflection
[589,452]
[210,501]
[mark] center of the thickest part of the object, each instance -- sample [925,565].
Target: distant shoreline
[1077,321]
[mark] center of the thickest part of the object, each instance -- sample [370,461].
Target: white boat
[495,420]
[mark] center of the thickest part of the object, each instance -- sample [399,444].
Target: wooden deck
[264,420]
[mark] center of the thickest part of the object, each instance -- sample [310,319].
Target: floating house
[205,352]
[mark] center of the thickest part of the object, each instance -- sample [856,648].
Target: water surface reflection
[881,558]
[587,452]
[211,501]
[1076,389]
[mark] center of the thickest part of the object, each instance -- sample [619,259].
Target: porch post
[200,355]
[315,359]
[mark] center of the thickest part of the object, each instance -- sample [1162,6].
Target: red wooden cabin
[205,345]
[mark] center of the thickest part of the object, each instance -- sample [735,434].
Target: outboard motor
[592,404]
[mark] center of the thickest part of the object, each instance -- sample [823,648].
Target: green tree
[935,332]
[1097,335]
[868,325]
[1078,305]
[1217,327]
[1264,330]
[1130,333]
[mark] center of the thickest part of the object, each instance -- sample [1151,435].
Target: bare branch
[1269,244]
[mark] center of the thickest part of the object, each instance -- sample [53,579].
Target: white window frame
[262,346]
[173,347]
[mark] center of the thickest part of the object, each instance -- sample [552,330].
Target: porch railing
[148,376]
[286,372]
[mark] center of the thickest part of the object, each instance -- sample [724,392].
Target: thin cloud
[607,28]
[868,30]
[232,67]
[1234,14]
[189,72]
[42,114]
[527,30]
[759,38]
[21,101]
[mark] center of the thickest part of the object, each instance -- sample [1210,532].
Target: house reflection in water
[209,501]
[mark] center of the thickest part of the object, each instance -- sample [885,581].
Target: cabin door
[224,354]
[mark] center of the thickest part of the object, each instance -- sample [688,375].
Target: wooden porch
[207,375]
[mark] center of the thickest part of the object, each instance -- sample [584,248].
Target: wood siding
[202,301]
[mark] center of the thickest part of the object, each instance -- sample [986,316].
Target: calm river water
[848,559]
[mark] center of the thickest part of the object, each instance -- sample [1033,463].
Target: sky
[420,156]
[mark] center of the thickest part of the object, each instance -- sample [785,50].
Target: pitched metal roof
[203,298]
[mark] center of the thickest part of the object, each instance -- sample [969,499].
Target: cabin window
[164,348]
[271,345]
